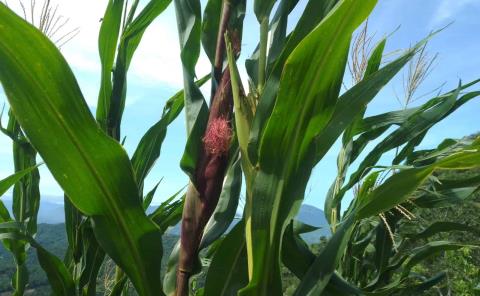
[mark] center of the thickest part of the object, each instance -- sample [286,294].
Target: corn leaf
[211,23]
[107,45]
[290,133]
[344,156]
[98,178]
[58,276]
[8,182]
[398,187]
[438,227]
[228,271]
[227,205]
[313,14]
[196,111]
[148,150]
[320,272]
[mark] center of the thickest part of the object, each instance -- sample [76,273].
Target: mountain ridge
[53,213]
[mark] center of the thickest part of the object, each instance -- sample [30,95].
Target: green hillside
[53,238]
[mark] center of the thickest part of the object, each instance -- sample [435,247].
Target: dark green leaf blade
[97,178]
[228,271]
[8,182]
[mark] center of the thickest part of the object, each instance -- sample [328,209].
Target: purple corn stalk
[203,193]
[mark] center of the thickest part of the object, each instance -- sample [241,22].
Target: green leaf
[444,198]
[398,187]
[372,127]
[226,207]
[137,27]
[170,278]
[263,8]
[375,59]
[301,228]
[196,110]
[314,13]
[228,270]
[313,73]
[73,224]
[345,154]
[414,126]
[426,284]
[107,45]
[320,272]
[92,259]
[298,258]
[295,252]
[384,245]
[169,213]
[211,23]
[210,26]
[439,227]
[356,98]
[278,28]
[8,182]
[148,150]
[149,197]
[119,287]
[97,178]
[409,148]
[428,250]
[110,115]
[58,276]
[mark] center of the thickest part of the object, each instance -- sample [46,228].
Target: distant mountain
[52,213]
[53,238]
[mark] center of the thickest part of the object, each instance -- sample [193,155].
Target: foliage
[272,137]
[463,274]
[53,237]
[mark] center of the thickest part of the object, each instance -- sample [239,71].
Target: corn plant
[26,193]
[272,135]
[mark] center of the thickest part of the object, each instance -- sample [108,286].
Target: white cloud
[447,9]
[157,60]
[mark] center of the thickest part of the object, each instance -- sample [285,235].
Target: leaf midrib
[114,210]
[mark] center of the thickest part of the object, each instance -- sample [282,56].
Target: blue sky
[156,74]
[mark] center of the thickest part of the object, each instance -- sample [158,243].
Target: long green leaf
[228,271]
[416,124]
[58,276]
[112,99]
[321,270]
[263,8]
[438,227]
[107,45]
[97,178]
[8,182]
[398,187]
[148,150]
[313,14]
[345,154]
[313,73]
[226,207]
[196,110]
